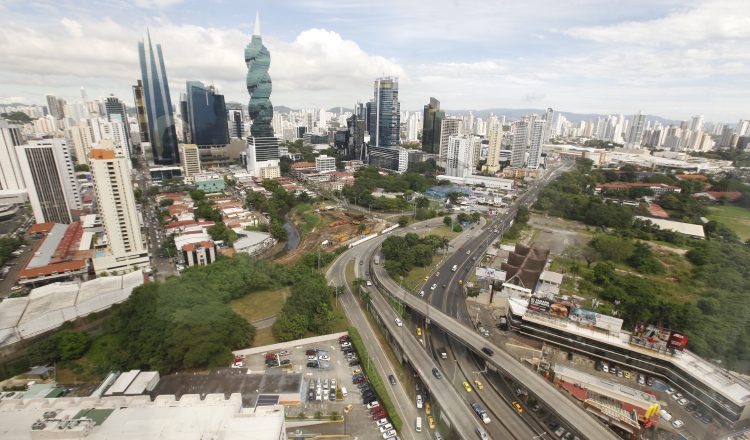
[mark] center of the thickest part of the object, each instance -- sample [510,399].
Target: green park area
[736,218]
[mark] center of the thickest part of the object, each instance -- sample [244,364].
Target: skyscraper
[140,111]
[259,108]
[158,105]
[520,137]
[385,114]
[495,143]
[448,127]
[460,156]
[118,112]
[548,116]
[635,134]
[82,137]
[432,122]
[50,178]
[55,107]
[11,176]
[117,210]
[262,147]
[538,132]
[207,115]
[236,118]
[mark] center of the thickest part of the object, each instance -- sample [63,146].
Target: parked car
[354,363]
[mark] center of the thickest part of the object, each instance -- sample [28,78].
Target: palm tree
[366,297]
[444,242]
[359,283]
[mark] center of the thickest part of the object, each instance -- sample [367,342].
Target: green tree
[198,195]
[447,220]
[166,202]
[422,255]
[476,215]
[359,283]
[522,215]
[71,344]
[153,190]
[604,272]
[289,326]
[457,227]
[612,247]
[81,167]
[220,231]
[403,221]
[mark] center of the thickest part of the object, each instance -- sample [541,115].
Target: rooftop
[613,389]
[672,225]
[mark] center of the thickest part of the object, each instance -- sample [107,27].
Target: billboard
[490,272]
[550,307]
[658,338]
[593,319]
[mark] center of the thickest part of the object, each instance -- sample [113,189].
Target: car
[683,401]
[427,408]
[560,431]
[376,409]
[436,372]
[333,384]
[478,385]
[381,422]
[358,380]
[677,396]
[386,427]
[706,420]
[365,391]
[691,407]
[348,408]
[697,414]
[367,273]
[392,379]
[517,406]
[466,386]
[312,364]
[361,262]
[373,404]
[346,344]
[552,426]
[467,235]
[367,400]
[419,401]
[427,278]
[286,362]
[284,353]
[354,363]
[363,385]
[389,434]
[307,352]
[378,416]
[421,294]
[488,351]
[399,323]
[460,249]
[678,424]
[619,373]
[431,422]
[419,331]
[570,355]
[344,338]
[468,252]
[467,269]
[536,407]
[309,358]
[460,282]
[433,287]
[650,381]
[332,395]
[437,274]
[356,372]
[325,358]
[356,376]
[519,391]
[369,283]
[671,391]
[444,286]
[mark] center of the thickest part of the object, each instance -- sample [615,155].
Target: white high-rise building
[696,123]
[538,132]
[325,163]
[548,117]
[49,176]
[635,134]
[520,138]
[191,160]
[11,176]
[82,137]
[742,128]
[449,126]
[126,249]
[411,128]
[460,156]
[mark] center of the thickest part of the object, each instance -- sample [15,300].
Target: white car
[312,358]
[382,422]
[683,401]
[419,401]
[284,353]
[671,391]
[678,424]
[385,428]
[372,404]
[399,323]
[433,287]
[677,396]
[325,358]
[369,283]
[389,434]
[421,294]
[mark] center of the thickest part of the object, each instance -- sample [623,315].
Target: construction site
[337,227]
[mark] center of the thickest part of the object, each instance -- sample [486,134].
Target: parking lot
[321,362]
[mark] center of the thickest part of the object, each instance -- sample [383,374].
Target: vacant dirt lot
[556,234]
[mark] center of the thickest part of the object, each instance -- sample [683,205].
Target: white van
[481,434]
[419,424]
[343,391]
[455,267]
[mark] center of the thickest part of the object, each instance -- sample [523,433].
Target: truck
[481,413]
[443,353]
[377,259]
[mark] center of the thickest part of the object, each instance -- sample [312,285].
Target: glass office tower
[260,109]
[385,114]
[433,119]
[207,115]
[158,105]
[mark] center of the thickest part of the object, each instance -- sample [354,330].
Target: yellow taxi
[419,331]
[427,278]
[478,385]
[518,407]
[437,274]
[460,281]
[348,408]
[467,387]
[431,422]
[427,408]
[356,372]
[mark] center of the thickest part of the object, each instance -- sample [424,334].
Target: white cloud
[707,21]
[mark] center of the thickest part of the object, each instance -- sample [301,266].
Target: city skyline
[670,59]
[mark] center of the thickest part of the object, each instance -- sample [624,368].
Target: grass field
[259,305]
[417,274]
[310,220]
[735,217]
[442,231]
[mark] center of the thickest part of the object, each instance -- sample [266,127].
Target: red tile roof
[303,165]
[192,246]
[691,176]
[732,195]
[40,227]
[657,211]
[49,269]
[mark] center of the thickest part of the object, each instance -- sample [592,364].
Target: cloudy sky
[670,58]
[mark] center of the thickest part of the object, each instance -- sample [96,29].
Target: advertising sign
[490,272]
[677,340]
[593,319]
[657,338]
[553,308]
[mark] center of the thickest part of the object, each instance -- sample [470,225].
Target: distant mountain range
[512,113]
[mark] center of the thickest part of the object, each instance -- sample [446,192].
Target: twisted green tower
[260,109]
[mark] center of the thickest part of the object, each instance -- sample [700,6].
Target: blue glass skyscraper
[207,115]
[385,114]
[158,105]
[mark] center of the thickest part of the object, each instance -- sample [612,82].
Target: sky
[670,58]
